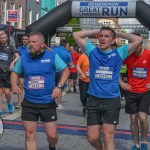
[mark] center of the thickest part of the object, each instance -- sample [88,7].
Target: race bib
[36,82]
[104,73]
[87,73]
[140,72]
[3,56]
[72,66]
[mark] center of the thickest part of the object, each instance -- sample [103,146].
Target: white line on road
[13,116]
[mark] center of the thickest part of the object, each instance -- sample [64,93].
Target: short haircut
[38,34]
[109,29]
[63,42]
[26,35]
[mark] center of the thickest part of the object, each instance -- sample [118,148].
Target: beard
[35,53]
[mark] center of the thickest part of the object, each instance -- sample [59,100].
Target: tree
[73,21]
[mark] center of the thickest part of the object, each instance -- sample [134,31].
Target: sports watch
[59,86]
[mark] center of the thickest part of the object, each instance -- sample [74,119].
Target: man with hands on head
[104,97]
[138,94]
[41,95]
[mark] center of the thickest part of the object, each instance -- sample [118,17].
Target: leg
[144,125]
[1,94]
[109,131]
[51,132]
[69,84]
[20,95]
[93,135]
[7,95]
[30,135]
[134,128]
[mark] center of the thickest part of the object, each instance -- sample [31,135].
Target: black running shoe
[74,89]
[52,148]
[84,111]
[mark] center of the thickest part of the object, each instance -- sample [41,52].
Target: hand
[16,89]
[125,86]
[83,76]
[57,94]
[11,66]
[148,86]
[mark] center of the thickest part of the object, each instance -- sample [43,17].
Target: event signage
[103,9]
[64,32]
[12,15]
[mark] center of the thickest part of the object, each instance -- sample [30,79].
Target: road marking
[13,116]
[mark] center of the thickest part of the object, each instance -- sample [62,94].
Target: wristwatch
[59,86]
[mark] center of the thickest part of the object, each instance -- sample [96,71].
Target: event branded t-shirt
[105,70]
[138,71]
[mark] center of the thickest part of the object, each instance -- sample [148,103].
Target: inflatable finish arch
[62,14]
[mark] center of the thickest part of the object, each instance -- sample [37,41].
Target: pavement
[71,128]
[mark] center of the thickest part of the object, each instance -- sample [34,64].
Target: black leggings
[83,87]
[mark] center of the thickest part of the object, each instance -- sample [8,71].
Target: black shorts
[137,102]
[103,110]
[34,112]
[73,75]
[5,79]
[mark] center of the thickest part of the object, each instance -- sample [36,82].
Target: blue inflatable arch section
[61,15]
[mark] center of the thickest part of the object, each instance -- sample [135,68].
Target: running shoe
[135,148]
[10,108]
[60,107]
[1,112]
[144,146]
[52,148]
[18,106]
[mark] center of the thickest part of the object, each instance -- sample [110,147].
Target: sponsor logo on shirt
[112,55]
[45,60]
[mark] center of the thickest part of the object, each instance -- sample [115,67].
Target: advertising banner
[107,9]
[12,15]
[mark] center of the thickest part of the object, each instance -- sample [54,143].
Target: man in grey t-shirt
[8,58]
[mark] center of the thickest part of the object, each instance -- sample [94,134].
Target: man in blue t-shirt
[66,57]
[41,94]
[104,97]
[24,49]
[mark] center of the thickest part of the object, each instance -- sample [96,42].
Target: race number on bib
[140,72]
[104,73]
[3,56]
[36,82]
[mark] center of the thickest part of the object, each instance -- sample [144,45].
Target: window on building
[37,15]
[12,7]
[3,11]
[30,17]
[19,16]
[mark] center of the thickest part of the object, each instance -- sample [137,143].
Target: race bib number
[72,66]
[87,73]
[3,56]
[36,82]
[104,73]
[140,72]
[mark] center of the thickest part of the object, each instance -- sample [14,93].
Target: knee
[30,135]
[92,138]
[143,119]
[53,136]
[134,120]
[109,137]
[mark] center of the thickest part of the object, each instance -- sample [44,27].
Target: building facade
[33,11]
[18,5]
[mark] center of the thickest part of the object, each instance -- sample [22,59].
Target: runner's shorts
[137,102]
[73,75]
[103,110]
[36,112]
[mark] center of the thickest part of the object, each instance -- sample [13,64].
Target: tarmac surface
[71,128]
